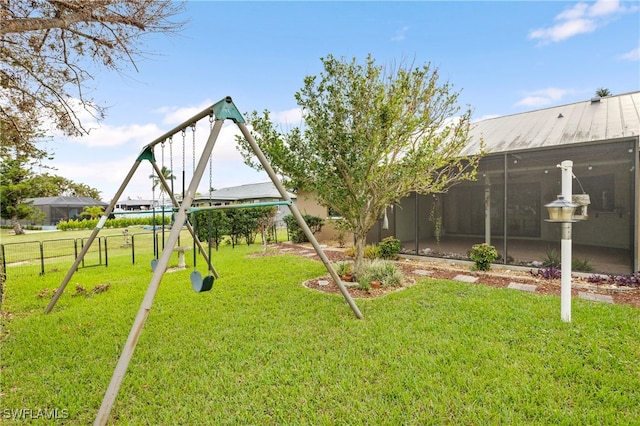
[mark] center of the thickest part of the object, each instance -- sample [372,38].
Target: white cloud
[176,115]
[632,55]
[539,98]
[290,116]
[401,34]
[582,18]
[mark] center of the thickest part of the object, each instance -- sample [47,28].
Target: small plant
[632,280]
[380,270]
[389,248]
[350,251]
[483,254]
[344,268]
[371,251]
[581,265]
[341,226]
[548,273]
[551,259]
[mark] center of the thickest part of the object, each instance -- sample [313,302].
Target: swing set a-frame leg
[296,213]
[92,237]
[152,289]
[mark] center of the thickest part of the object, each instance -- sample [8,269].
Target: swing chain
[193,132]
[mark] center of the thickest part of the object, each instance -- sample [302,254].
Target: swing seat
[199,284]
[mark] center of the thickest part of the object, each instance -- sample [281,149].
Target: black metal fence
[40,257]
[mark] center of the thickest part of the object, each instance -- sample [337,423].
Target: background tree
[14,190]
[603,92]
[157,183]
[370,137]
[50,50]
[48,185]
[92,212]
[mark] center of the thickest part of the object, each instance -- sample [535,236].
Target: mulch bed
[415,269]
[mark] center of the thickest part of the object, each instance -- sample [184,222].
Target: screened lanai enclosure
[505,206]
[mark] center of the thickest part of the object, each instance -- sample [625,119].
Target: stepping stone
[596,297]
[422,272]
[286,249]
[323,282]
[465,278]
[309,254]
[522,287]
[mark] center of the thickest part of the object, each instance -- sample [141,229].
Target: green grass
[261,349]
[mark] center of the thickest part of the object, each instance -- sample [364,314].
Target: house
[505,205]
[60,208]
[263,192]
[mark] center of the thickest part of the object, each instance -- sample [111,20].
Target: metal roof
[598,119]
[62,201]
[252,191]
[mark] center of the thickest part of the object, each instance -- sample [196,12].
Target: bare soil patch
[441,269]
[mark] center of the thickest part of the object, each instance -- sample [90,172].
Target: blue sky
[504,57]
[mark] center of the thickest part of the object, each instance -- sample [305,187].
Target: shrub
[581,265]
[483,254]
[344,268]
[371,251]
[380,270]
[389,248]
[548,273]
[296,234]
[551,259]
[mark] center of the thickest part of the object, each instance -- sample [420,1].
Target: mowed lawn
[260,349]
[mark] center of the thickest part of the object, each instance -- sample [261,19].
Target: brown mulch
[442,269]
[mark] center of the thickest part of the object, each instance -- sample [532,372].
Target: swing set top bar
[240,206]
[221,110]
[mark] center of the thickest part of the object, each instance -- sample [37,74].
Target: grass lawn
[261,349]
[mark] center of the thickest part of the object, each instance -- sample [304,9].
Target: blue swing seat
[199,284]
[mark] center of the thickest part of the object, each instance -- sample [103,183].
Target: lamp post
[562,211]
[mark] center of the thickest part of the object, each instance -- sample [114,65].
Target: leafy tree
[18,153]
[14,190]
[47,185]
[51,49]
[603,92]
[370,137]
[157,183]
[211,226]
[92,212]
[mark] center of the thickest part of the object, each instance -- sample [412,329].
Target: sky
[504,57]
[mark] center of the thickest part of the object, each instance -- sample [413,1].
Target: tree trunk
[360,242]
[17,228]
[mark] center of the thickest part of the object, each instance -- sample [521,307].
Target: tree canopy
[371,135]
[50,50]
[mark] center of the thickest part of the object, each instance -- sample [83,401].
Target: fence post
[41,258]
[106,254]
[3,273]
[133,251]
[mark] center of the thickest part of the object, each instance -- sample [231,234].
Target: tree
[157,183]
[603,92]
[92,212]
[50,50]
[370,137]
[14,190]
[47,185]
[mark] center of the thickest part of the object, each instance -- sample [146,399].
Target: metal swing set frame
[218,112]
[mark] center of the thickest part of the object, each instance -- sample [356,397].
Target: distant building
[60,208]
[263,192]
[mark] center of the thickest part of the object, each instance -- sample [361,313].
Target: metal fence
[40,257]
